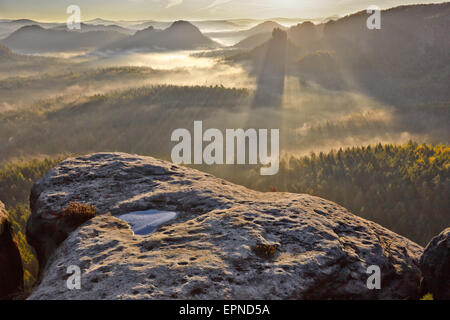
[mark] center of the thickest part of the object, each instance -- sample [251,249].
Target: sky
[55,10]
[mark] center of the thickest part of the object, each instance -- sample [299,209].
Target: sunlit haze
[47,10]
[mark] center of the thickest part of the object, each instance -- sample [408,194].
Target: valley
[362,115]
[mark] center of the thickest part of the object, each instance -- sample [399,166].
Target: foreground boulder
[58,225]
[435,266]
[227,242]
[11,271]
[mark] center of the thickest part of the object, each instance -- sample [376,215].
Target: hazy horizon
[169,10]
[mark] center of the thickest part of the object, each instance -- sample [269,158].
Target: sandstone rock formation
[58,226]
[227,242]
[435,266]
[11,270]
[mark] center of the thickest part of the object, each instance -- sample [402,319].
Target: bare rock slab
[226,242]
[11,269]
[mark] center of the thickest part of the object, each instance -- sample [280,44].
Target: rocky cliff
[226,242]
[11,270]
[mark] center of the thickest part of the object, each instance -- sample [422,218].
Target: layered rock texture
[227,242]
[435,266]
[11,270]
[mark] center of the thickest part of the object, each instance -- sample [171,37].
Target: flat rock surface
[208,252]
